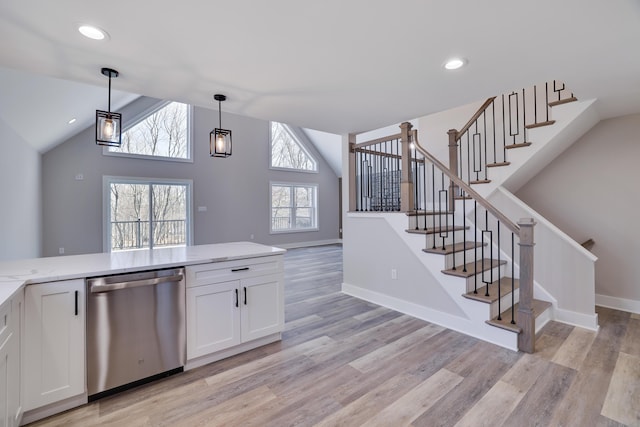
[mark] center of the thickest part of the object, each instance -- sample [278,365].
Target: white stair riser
[432,221]
[448,239]
[471,256]
[505,303]
[497,272]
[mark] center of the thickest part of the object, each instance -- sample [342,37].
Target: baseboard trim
[309,244]
[616,303]
[497,336]
[586,321]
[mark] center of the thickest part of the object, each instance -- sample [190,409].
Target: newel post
[406,183]
[526,317]
[353,205]
[453,167]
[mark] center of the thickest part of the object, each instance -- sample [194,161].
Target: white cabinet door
[54,342]
[15,360]
[262,300]
[213,318]
[5,412]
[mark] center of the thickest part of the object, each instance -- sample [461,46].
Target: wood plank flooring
[347,362]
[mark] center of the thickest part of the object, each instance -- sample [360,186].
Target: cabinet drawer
[203,274]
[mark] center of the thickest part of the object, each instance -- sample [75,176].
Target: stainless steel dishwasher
[135,329]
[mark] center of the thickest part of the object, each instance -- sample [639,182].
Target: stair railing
[500,124]
[436,190]
[380,177]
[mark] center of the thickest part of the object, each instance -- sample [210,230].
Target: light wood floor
[345,362]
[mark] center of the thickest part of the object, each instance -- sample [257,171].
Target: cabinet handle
[236,297]
[245,295]
[76,296]
[235,270]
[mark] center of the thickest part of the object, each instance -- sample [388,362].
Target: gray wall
[591,191]
[20,195]
[234,190]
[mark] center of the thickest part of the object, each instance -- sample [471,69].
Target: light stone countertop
[14,275]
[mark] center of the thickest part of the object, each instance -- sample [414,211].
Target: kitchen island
[234,302]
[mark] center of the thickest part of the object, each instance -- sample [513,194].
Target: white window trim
[143,115]
[294,184]
[303,147]
[107,180]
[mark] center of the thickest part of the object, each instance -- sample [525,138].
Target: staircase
[484,252]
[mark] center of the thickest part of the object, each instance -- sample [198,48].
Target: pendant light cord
[109,106]
[220,113]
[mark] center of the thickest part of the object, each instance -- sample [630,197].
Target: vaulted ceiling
[336,66]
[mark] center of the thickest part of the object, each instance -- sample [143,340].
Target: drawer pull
[235,270]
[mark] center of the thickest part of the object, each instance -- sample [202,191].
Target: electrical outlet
[394,273]
[251,237]
[61,251]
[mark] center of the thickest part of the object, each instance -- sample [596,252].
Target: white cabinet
[213,321]
[234,302]
[54,359]
[10,388]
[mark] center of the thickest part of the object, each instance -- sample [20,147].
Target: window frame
[300,143]
[142,115]
[316,207]
[107,180]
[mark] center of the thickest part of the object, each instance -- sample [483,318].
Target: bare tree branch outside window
[287,152]
[162,134]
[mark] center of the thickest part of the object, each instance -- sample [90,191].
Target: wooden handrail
[475,117]
[467,189]
[379,140]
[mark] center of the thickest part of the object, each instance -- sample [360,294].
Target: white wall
[235,190]
[20,195]
[591,191]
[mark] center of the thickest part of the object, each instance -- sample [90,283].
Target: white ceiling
[334,65]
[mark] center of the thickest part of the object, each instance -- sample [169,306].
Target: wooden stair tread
[562,101]
[480,181]
[427,213]
[473,268]
[540,124]
[437,229]
[538,306]
[505,289]
[522,144]
[461,198]
[458,247]
[498,164]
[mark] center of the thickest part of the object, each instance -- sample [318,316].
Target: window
[162,133]
[287,152]
[294,207]
[143,214]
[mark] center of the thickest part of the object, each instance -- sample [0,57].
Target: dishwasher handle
[97,288]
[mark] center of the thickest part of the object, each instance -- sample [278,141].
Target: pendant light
[108,124]
[220,139]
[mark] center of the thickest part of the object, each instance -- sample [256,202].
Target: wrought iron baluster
[504,134]
[464,232]
[535,105]
[513,321]
[475,249]
[499,276]
[546,98]
[433,200]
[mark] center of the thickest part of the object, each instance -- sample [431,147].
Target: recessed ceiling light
[72,121]
[454,63]
[92,32]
